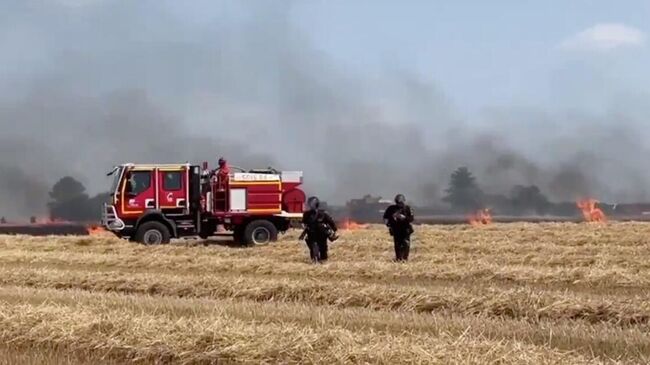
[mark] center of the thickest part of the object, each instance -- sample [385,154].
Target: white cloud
[605,37]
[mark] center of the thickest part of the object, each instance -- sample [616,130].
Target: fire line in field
[94,230]
[350,225]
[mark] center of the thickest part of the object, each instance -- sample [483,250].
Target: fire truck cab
[153,203]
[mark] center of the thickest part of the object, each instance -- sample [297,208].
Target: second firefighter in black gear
[399,218]
[319,228]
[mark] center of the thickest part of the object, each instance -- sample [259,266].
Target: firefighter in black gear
[319,227]
[398,217]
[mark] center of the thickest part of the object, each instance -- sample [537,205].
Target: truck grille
[110,219]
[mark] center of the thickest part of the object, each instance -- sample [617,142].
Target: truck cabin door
[138,192]
[173,190]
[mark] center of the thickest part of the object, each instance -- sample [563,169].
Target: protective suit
[319,228]
[399,218]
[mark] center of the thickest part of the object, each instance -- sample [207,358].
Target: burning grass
[511,294]
[590,212]
[480,218]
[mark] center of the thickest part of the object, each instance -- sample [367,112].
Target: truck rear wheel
[152,233]
[260,232]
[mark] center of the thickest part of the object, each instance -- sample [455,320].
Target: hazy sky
[481,53]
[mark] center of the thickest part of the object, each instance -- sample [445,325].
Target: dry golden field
[504,294]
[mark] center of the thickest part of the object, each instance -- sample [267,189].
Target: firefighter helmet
[400,199]
[313,203]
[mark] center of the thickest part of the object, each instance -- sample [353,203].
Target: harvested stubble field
[507,294]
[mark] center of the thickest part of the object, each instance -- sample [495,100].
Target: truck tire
[152,233]
[260,232]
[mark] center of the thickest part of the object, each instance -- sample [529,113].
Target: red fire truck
[154,203]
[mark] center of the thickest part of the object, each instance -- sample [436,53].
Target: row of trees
[69,200]
[464,195]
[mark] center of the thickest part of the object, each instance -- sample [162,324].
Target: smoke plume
[89,84]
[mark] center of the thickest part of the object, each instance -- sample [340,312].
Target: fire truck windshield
[117,174]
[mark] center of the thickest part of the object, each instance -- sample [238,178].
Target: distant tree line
[464,195]
[70,201]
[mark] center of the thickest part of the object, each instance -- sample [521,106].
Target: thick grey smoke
[86,86]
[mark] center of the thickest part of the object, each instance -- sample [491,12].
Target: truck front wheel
[152,233]
[260,232]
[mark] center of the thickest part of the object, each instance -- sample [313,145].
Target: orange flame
[350,225]
[590,212]
[95,230]
[480,218]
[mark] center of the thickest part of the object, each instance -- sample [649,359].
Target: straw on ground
[508,294]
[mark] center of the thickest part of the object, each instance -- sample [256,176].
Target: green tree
[463,193]
[66,189]
[527,199]
[70,202]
